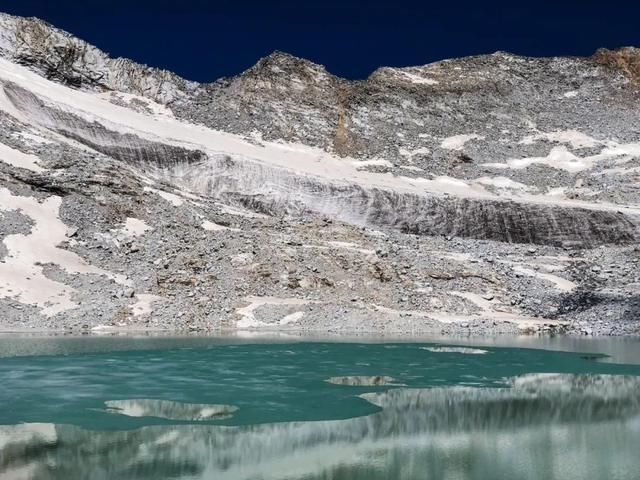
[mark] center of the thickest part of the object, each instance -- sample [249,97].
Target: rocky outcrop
[62,57]
[411,109]
[626,60]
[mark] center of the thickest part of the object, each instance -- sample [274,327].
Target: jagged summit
[283,68]
[287,61]
[63,57]
[626,60]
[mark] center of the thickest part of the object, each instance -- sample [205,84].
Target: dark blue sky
[204,40]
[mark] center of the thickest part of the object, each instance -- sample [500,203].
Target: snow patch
[560,283]
[31,138]
[559,192]
[291,318]
[143,305]
[189,195]
[559,157]
[615,149]
[482,303]
[137,103]
[413,168]
[418,151]
[455,256]
[451,181]
[214,227]
[413,78]
[18,159]
[618,171]
[174,200]
[504,183]
[247,313]
[134,227]
[239,212]
[570,137]
[351,246]
[21,274]
[457,142]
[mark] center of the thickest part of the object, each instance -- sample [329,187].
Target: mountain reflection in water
[542,427]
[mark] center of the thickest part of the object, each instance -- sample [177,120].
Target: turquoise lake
[212,408]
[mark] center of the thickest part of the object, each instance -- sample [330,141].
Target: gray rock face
[284,97]
[289,198]
[62,57]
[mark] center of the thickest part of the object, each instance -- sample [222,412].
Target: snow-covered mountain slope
[295,178]
[104,159]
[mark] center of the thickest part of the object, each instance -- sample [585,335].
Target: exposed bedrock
[59,56]
[277,191]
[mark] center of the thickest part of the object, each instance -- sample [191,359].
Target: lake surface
[282,408]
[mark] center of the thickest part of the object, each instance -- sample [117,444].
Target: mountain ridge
[489,194]
[31,31]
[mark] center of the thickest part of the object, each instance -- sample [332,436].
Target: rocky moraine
[489,194]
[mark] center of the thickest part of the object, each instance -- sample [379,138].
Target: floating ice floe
[363,381]
[465,350]
[169,410]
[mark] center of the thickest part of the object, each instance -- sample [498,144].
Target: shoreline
[608,349]
[225,331]
[292,332]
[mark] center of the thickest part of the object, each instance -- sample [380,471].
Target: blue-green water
[209,409]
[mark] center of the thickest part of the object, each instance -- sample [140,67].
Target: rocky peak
[281,97]
[626,59]
[69,60]
[282,62]
[448,72]
[282,70]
